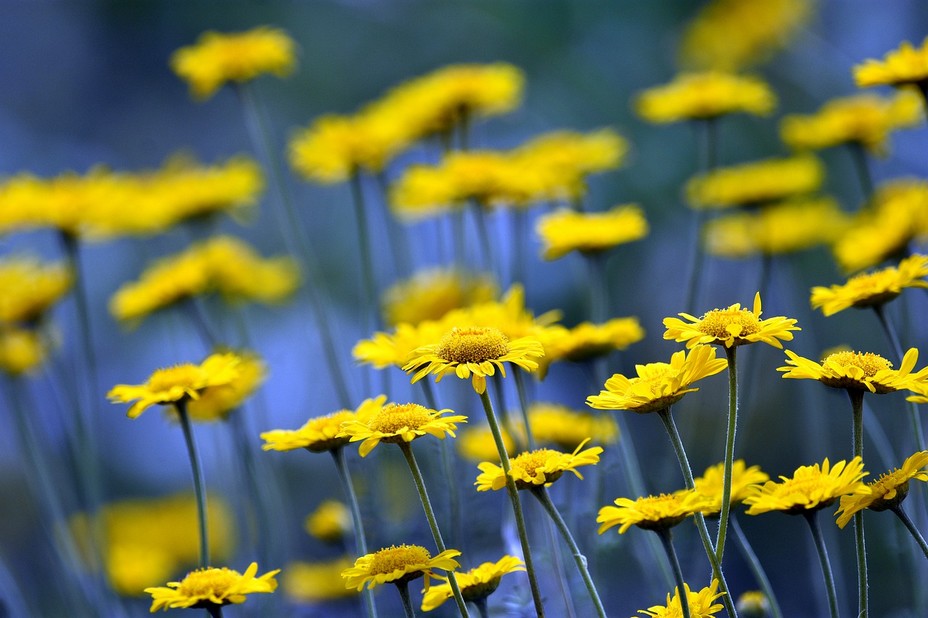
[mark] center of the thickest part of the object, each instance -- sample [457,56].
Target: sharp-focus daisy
[658,385]
[863,371]
[567,230]
[886,492]
[652,512]
[394,423]
[322,433]
[744,481]
[538,468]
[476,584]
[905,65]
[212,587]
[730,327]
[702,603]
[810,488]
[872,289]
[398,564]
[705,95]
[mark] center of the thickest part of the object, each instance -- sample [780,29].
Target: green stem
[863,170]
[671,427]
[194,311]
[516,504]
[430,516]
[482,608]
[599,304]
[198,486]
[857,406]
[665,536]
[812,519]
[731,353]
[483,232]
[500,395]
[910,526]
[397,234]
[893,337]
[708,157]
[447,470]
[518,376]
[756,567]
[459,236]
[408,609]
[520,234]
[364,246]
[542,494]
[215,611]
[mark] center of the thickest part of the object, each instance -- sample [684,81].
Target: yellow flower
[510,315]
[386,349]
[753,604]
[886,492]
[658,385]
[755,183]
[476,584]
[30,288]
[215,403]
[431,294]
[650,513]
[734,34]
[566,428]
[212,587]
[537,468]
[330,522]
[865,120]
[322,433]
[730,327]
[398,564]
[395,423]
[473,352]
[180,383]
[744,480]
[477,444]
[587,340]
[702,604]
[567,230]
[863,371]
[872,289]
[705,95]
[130,569]
[809,489]
[905,65]
[783,227]
[22,350]
[218,58]
[314,582]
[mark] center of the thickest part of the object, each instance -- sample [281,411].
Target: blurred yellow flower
[753,604]
[538,468]
[395,423]
[905,65]
[809,489]
[22,350]
[872,289]
[886,492]
[476,584]
[215,403]
[730,327]
[330,522]
[30,288]
[701,604]
[587,340]
[218,58]
[705,95]
[314,582]
[431,294]
[566,428]
[652,512]
[744,480]
[566,230]
[322,433]
[212,587]
[863,371]
[476,444]
[758,182]
[398,564]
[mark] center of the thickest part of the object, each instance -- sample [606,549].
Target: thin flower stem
[708,157]
[194,311]
[756,567]
[863,170]
[408,608]
[447,470]
[599,304]
[459,236]
[364,246]
[516,504]
[910,526]
[665,536]
[518,377]
[360,540]
[812,519]
[480,216]
[520,234]
[542,494]
[499,393]
[667,418]
[396,232]
[198,486]
[923,88]
[857,406]
[215,611]
[430,516]
[731,353]
[482,608]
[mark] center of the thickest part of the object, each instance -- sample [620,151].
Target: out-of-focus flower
[431,294]
[809,489]
[217,402]
[566,428]
[30,288]
[330,522]
[753,604]
[886,492]
[899,67]
[395,423]
[22,350]
[398,564]
[476,584]
[322,433]
[650,513]
[212,587]
[538,468]
[872,289]
[705,95]
[756,183]
[744,480]
[730,327]
[566,230]
[476,444]
[701,603]
[587,340]
[314,582]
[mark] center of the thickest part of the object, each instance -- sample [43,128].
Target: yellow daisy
[398,564]
[702,603]
[658,385]
[538,468]
[30,288]
[567,230]
[756,183]
[810,488]
[217,402]
[217,58]
[905,65]
[383,350]
[476,444]
[322,433]
[431,294]
[473,352]
[862,371]
[587,340]
[886,492]
[753,604]
[330,522]
[744,481]
[872,289]
[651,512]
[315,582]
[180,383]
[730,327]
[705,95]
[22,350]
[476,584]
[395,422]
[566,428]
[212,587]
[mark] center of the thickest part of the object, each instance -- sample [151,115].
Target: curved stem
[816,530]
[756,567]
[403,587]
[516,503]
[857,406]
[665,536]
[360,540]
[910,526]
[430,516]
[542,494]
[731,353]
[667,418]
[198,485]
[893,337]
[518,376]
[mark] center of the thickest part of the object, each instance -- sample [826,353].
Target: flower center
[397,558]
[868,362]
[475,344]
[725,323]
[533,460]
[394,417]
[172,377]
[206,583]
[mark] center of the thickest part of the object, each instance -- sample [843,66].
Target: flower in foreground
[177,384]
[905,65]
[322,433]
[886,492]
[862,371]
[395,423]
[651,512]
[567,230]
[810,488]
[538,468]
[658,385]
[473,352]
[398,564]
[705,95]
[702,603]
[744,480]
[476,584]
[730,327]
[872,289]
[212,587]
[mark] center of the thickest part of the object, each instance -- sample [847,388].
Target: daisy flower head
[538,468]
[705,95]
[431,294]
[215,403]
[658,385]
[476,584]
[872,289]
[22,350]
[862,371]
[906,65]
[754,183]
[477,444]
[218,58]
[886,492]
[180,383]
[744,481]
[474,352]
[330,522]
[30,288]
[810,488]
[730,327]
[398,564]
[701,603]
[400,422]
[212,587]
[567,230]
[586,340]
[660,512]
[322,433]
[753,604]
